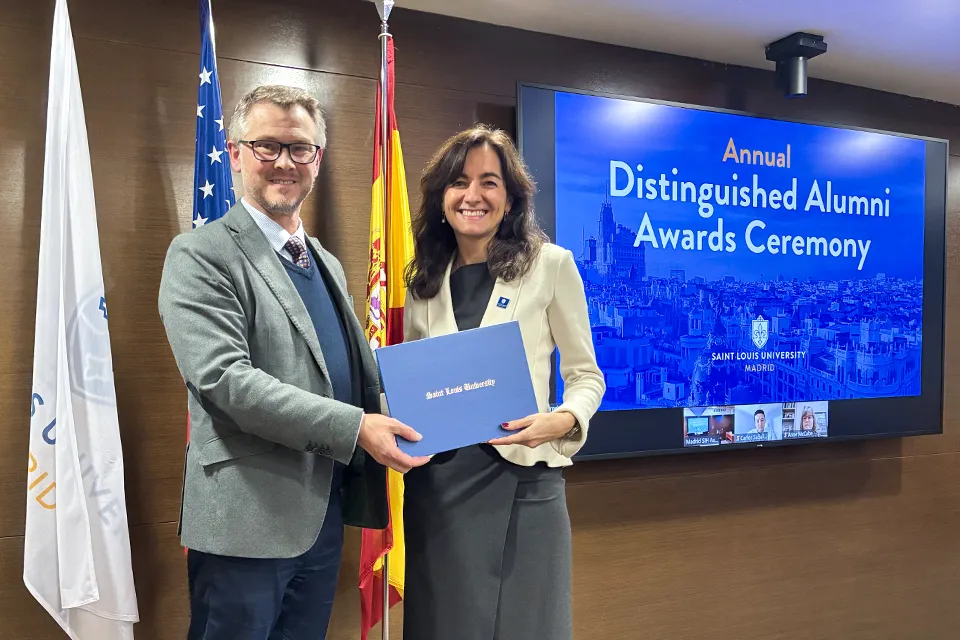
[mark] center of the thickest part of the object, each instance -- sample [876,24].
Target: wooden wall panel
[792,543]
[22,96]
[22,616]
[841,549]
[159,569]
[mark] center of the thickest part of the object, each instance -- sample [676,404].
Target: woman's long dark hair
[518,239]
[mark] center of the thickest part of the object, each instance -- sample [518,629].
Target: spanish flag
[391,248]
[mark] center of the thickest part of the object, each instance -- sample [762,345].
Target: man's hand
[534,430]
[378,437]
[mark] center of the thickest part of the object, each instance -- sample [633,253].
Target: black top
[470,289]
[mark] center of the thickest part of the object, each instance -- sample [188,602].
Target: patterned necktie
[296,249]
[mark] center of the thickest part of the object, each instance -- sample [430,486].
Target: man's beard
[283,207]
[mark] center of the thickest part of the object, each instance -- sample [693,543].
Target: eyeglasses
[270,150]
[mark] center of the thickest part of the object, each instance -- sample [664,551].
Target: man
[283,392]
[760,424]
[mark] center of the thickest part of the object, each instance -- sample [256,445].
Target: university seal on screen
[760,332]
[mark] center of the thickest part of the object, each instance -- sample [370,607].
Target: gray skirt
[488,551]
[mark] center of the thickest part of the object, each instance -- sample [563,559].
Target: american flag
[212,180]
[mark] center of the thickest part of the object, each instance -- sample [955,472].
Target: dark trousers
[267,599]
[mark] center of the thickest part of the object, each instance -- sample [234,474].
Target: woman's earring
[443,218]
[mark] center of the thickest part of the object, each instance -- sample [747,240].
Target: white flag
[77,546]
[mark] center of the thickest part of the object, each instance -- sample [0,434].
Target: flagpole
[384,150]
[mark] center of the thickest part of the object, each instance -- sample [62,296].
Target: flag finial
[383,8]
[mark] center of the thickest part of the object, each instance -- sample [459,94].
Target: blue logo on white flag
[76,545]
[90,361]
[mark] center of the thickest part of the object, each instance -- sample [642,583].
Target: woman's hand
[538,428]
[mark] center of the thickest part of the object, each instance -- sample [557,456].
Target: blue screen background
[676,327]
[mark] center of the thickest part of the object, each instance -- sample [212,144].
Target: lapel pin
[503,302]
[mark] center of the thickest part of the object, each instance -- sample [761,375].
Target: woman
[488,553]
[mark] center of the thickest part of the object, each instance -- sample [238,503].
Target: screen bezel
[934,275]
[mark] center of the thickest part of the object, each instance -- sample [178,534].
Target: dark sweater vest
[315,293]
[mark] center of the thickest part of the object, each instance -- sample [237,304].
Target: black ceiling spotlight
[791,55]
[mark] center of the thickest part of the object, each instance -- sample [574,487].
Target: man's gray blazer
[264,427]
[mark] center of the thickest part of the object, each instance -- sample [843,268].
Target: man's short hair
[759,412]
[282,96]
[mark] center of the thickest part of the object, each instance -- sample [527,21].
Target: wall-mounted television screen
[750,281]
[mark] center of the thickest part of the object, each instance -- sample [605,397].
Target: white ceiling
[910,47]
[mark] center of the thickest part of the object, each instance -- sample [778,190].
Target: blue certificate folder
[456,390]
